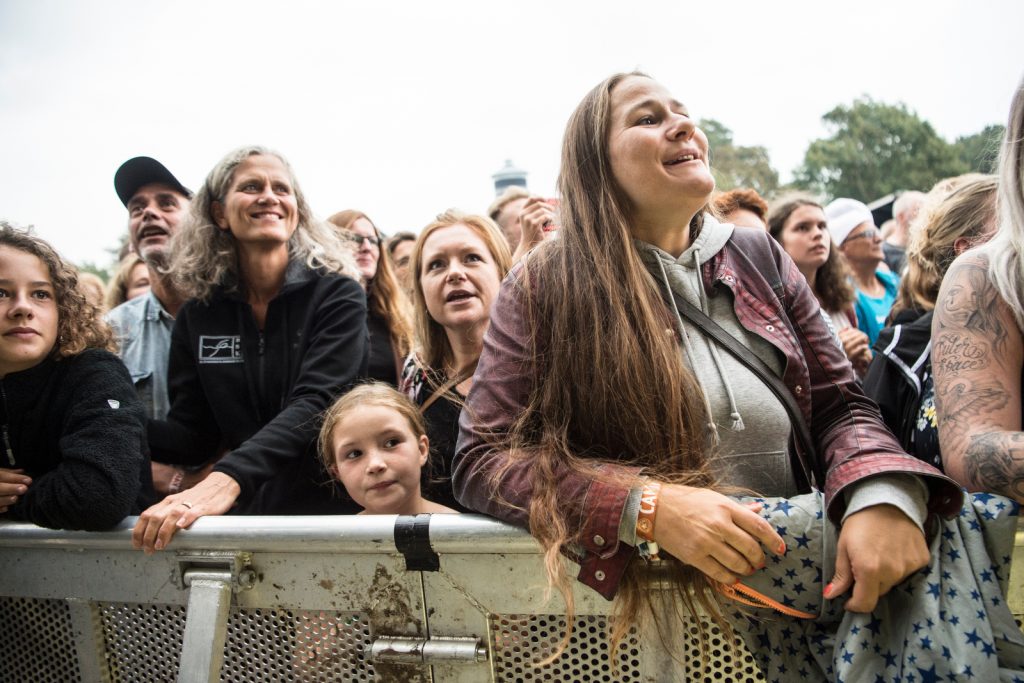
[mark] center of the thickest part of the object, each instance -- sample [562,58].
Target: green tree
[981,151]
[875,149]
[738,166]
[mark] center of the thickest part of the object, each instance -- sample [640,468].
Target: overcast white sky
[404,109]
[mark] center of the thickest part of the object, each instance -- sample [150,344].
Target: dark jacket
[844,423]
[902,358]
[76,426]
[260,394]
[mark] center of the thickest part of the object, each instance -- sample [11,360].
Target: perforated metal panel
[37,641]
[520,640]
[143,641]
[266,645]
[724,662]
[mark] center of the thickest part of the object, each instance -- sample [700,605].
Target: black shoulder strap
[812,470]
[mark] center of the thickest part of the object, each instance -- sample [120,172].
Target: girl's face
[138,282]
[806,239]
[378,459]
[658,156]
[459,278]
[28,311]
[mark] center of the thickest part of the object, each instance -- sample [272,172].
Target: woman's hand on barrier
[13,485]
[878,547]
[713,533]
[156,526]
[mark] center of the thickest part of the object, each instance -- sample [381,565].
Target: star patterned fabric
[946,622]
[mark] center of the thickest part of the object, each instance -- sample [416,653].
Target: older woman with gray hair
[274,331]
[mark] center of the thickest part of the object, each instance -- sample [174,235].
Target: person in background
[400,249]
[860,243]
[273,331]
[156,202]
[457,264]
[977,343]
[798,224]
[131,280]
[743,207]
[900,378]
[904,213]
[94,289]
[388,306]
[73,428]
[505,210]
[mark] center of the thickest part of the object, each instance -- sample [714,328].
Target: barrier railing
[445,598]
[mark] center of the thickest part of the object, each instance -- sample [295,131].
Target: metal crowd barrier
[348,598]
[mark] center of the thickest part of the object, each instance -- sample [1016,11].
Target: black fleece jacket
[76,426]
[260,393]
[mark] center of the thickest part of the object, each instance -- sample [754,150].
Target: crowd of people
[612,370]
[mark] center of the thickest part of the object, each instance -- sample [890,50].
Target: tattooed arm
[976,358]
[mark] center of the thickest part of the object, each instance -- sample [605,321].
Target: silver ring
[186,504]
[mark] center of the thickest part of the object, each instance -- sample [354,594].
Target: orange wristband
[648,510]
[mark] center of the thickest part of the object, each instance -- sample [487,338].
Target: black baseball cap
[140,171]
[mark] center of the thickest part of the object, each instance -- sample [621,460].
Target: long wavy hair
[79,326]
[832,282]
[433,350]
[204,257]
[967,212]
[384,295]
[609,386]
[1006,250]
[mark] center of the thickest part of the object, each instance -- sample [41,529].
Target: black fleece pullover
[259,394]
[76,426]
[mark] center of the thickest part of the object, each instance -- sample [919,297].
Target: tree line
[872,149]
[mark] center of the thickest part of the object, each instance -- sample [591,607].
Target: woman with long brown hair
[799,225]
[387,315]
[584,425]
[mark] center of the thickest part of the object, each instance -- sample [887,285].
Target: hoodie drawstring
[734,414]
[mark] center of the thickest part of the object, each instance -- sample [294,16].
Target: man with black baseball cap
[156,203]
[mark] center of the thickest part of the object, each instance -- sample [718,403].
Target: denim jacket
[143,330]
[845,425]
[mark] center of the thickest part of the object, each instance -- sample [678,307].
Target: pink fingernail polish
[828,590]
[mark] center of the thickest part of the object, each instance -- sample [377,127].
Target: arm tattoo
[995,462]
[971,304]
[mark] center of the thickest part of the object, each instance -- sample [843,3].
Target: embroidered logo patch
[113,403]
[220,349]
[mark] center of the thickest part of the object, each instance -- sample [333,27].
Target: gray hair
[1005,250]
[905,201]
[204,257]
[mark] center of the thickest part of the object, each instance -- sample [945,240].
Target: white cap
[844,215]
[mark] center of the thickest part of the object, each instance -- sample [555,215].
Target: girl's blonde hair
[1006,250]
[369,394]
[966,212]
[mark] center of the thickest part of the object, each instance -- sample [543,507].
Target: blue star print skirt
[947,622]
